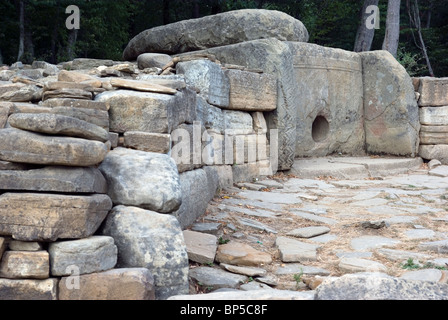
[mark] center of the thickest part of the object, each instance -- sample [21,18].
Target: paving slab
[353,167]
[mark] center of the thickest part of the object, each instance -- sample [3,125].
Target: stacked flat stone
[53,197]
[433,103]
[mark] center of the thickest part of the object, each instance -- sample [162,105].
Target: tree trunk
[1,57]
[392,35]
[414,16]
[365,34]
[72,37]
[22,30]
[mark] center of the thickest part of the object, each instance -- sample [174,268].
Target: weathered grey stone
[211,117]
[212,278]
[171,81]
[54,179]
[330,108]
[238,122]
[252,295]
[16,245]
[439,171]
[238,253]
[308,232]
[5,108]
[433,137]
[274,57]
[155,241]
[25,265]
[368,242]
[147,111]
[150,60]
[14,289]
[208,78]
[438,151]
[92,254]
[147,141]
[296,251]
[433,275]
[93,115]
[20,92]
[29,147]
[198,187]
[58,125]
[247,271]
[259,122]
[390,109]
[138,85]
[357,287]
[115,284]
[433,91]
[440,246]
[225,175]
[217,30]
[87,63]
[67,93]
[74,103]
[51,216]
[250,91]
[201,247]
[351,265]
[434,116]
[143,179]
[79,77]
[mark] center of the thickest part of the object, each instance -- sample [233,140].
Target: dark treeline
[36,29]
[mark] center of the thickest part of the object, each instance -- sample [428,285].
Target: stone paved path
[302,230]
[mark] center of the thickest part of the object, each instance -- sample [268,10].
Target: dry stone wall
[432,94]
[103,164]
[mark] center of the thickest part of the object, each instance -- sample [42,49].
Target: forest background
[36,29]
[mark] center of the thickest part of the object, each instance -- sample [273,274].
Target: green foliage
[107,26]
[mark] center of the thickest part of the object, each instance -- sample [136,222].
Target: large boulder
[330,108]
[391,114]
[151,240]
[216,30]
[142,179]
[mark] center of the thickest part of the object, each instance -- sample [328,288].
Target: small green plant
[223,241]
[298,278]
[410,265]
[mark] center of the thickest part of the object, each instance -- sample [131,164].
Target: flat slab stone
[401,255]
[26,289]
[308,232]
[247,271]
[213,278]
[54,179]
[147,141]
[295,268]
[29,147]
[296,251]
[58,125]
[433,275]
[351,265]
[237,253]
[369,242]
[25,265]
[314,217]
[115,284]
[362,287]
[433,91]
[440,246]
[262,294]
[440,171]
[48,217]
[201,247]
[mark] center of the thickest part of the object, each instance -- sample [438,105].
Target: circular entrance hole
[320,129]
